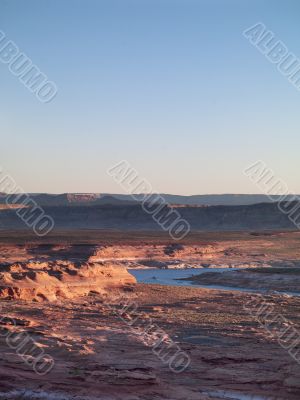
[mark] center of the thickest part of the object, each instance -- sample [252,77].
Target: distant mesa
[71,199]
[117,214]
[68,199]
[121,212]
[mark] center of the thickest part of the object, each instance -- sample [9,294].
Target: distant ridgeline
[92,211]
[45,199]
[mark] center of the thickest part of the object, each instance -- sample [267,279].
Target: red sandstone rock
[50,281]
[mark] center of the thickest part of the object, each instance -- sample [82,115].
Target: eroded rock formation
[49,281]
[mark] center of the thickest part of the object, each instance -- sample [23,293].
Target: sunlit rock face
[49,281]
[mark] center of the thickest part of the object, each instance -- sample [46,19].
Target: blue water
[168,277]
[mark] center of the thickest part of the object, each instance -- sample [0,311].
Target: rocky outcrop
[50,281]
[278,279]
[167,252]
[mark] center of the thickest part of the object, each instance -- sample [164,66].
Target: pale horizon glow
[171,86]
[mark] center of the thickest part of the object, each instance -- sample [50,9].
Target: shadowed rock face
[50,281]
[132,217]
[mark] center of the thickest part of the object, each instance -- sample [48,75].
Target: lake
[169,276]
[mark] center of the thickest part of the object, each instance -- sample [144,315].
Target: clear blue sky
[172,86]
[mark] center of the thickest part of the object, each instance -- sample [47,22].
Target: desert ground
[106,336]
